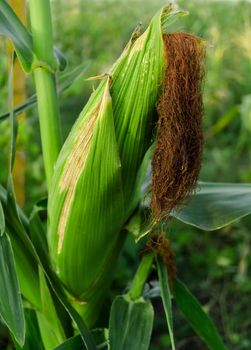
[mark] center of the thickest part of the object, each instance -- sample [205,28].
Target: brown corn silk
[159,243]
[177,157]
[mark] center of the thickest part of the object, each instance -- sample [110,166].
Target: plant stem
[43,68]
[141,276]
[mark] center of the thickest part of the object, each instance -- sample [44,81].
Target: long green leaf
[74,343]
[166,297]
[20,224]
[64,81]
[130,324]
[15,222]
[216,205]
[26,266]
[12,27]
[37,230]
[213,206]
[197,318]
[2,220]
[11,308]
[33,339]
[61,59]
[13,121]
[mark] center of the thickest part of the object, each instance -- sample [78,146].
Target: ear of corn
[89,200]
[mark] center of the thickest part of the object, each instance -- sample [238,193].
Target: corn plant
[130,163]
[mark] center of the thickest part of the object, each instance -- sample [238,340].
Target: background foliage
[215,265]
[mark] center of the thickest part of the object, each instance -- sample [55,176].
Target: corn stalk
[44,67]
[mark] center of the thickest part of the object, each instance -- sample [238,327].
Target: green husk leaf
[171,15]
[140,189]
[138,73]
[88,184]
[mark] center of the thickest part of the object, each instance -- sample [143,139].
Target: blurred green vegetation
[215,265]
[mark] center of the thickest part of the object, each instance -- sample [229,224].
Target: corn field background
[214,264]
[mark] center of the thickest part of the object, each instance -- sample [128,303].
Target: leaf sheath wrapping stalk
[94,179]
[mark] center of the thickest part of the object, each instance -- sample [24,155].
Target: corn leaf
[224,120]
[26,264]
[12,27]
[27,278]
[11,309]
[213,206]
[13,130]
[216,205]
[51,329]
[73,343]
[26,268]
[2,220]
[18,226]
[64,81]
[37,230]
[197,317]
[130,325]
[61,59]
[37,236]
[166,297]
[32,337]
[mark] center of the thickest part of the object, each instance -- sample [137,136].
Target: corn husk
[90,199]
